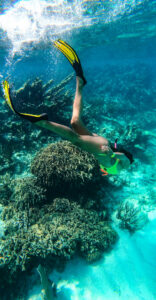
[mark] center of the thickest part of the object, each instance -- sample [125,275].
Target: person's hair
[122,150]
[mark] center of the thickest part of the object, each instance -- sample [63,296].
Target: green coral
[63,167]
[60,229]
[5,189]
[18,138]
[28,193]
[42,225]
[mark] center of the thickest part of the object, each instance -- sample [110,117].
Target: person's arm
[106,150]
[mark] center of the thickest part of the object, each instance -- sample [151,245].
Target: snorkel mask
[122,150]
[115,144]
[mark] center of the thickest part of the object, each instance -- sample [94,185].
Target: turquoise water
[116,42]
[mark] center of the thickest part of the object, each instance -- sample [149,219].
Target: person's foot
[34,118]
[72,57]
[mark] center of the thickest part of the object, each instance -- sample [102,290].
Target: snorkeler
[111,159]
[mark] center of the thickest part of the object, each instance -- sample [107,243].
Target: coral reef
[28,193]
[41,97]
[64,165]
[131,217]
[123,97]
[55,215]
[5,189]
[51,232]
[58,213]
[18,137]
[112,92]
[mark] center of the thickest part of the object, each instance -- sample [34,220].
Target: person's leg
[76,121]
[63,131]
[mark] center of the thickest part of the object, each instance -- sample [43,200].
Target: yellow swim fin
[29,117]
[72,57]
[6,90]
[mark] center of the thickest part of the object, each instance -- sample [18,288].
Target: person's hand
[106,150]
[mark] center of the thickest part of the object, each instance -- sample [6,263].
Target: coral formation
[56,214]
[28,193]
[131,217]
[5,189]
[62,167]
[42,224]
[18,138]
[52,231]
[118,87]
[45,97]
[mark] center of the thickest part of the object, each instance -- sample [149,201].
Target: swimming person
[111,160]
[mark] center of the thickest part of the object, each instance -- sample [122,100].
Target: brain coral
[64,167]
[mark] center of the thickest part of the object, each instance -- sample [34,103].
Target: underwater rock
[64,168]
[131,217]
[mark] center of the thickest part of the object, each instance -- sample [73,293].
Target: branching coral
[55,233]
[131,217]
[46,97]
[17,136]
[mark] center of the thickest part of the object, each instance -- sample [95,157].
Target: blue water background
[123,44]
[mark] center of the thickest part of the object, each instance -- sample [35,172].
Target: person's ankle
[80,82]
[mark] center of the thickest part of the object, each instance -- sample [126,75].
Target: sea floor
[128,272]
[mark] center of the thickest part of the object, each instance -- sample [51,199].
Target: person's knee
[77,140]
[74,122]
